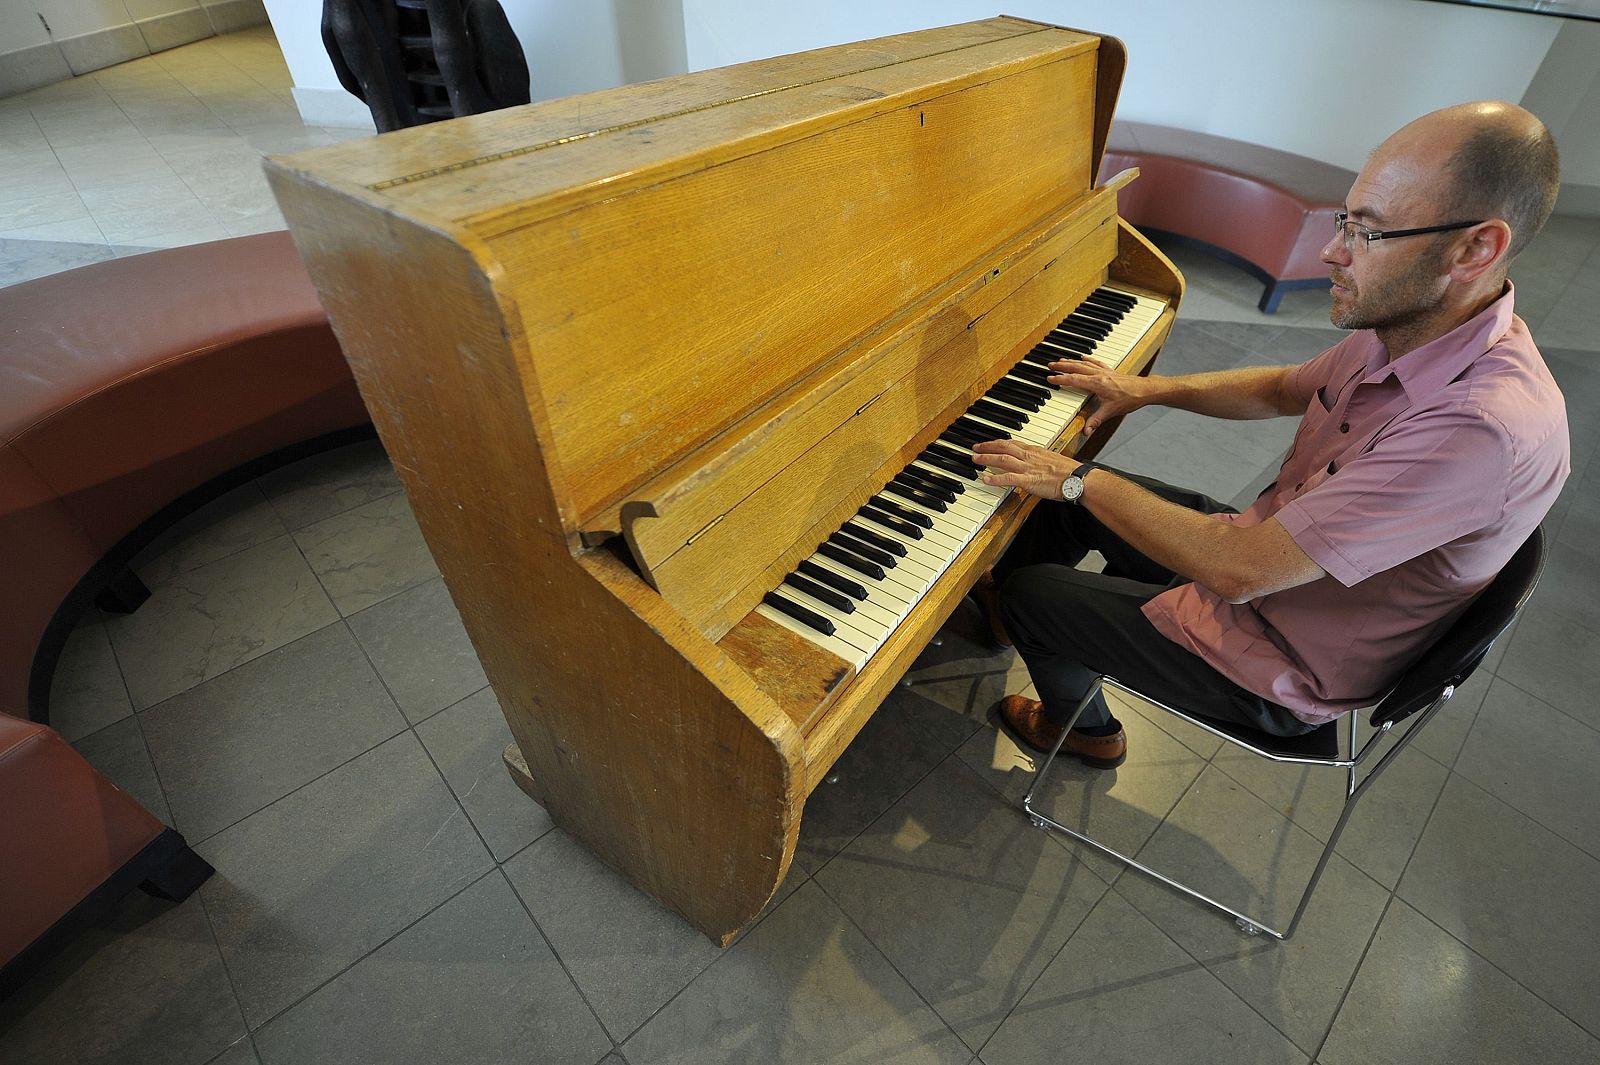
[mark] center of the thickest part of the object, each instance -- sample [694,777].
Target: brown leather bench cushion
[1273,209]
[65,829]
[126,384]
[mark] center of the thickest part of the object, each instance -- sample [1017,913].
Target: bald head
[1497,159]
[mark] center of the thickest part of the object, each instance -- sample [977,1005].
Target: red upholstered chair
[71,843]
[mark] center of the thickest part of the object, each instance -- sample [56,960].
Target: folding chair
[1421,690]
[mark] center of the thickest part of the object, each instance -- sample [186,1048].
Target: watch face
[1072,488]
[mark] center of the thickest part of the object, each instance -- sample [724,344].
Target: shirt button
[1344,427]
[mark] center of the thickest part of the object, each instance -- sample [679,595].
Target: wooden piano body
[635,353]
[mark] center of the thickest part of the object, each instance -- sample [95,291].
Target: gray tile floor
[298,697]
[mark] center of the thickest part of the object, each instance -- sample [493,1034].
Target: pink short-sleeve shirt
[1411,483]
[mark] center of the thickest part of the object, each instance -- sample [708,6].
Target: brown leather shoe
[988,596]
[1026,721]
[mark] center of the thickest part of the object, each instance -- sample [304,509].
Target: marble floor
[298,698]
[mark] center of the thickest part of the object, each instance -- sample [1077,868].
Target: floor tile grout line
[1205,968]
[1470,949]
[616,1044]
[429,912]
[1400,882]
[1355,974]
[1584,848]
[1105,889]
[915,990]
[412,728]
[198,894]
[743,934]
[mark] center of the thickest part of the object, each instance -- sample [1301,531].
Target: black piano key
[1014,395]
[1032,371]
[838,583]
[988,432]
[1116,314]
[919,498]
[952,454]
[867,536]
[1036,391]
[1075,326]
[817,591]
[1067,342]
[1095,308]
[852,560]
[863,549]
[889,506]
[998,415]
[936,479]
[965,471]
[961,436]
[889,521]
[809,618]
[912,479]
[1115,299]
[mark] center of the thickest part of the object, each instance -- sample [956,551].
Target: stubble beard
[1392,304]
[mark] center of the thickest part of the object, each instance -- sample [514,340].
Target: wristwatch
[1072,487]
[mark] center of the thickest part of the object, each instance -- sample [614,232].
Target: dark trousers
[1071,626]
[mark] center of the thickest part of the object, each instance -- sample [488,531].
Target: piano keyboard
[862,581]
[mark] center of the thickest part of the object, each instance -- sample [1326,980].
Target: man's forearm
[1250,392]
[1237,563]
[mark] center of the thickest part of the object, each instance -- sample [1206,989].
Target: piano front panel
[661,316]
[682,503]
[716,579]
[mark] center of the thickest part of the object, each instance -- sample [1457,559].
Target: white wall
[572,47]
[1566,94]
[19,26]
[1323,78]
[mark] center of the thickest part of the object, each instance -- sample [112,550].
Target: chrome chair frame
[1529,558]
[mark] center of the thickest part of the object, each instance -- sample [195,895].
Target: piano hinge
[709,526]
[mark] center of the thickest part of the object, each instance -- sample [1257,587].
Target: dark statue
[416,61]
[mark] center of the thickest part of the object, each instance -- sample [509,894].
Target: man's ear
[1484,246]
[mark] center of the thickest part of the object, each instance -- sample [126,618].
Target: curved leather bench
[1267,211]
[130,390]
[71,843]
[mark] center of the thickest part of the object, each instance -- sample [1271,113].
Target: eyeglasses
[1349,231]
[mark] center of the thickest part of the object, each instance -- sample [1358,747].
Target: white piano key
[893,598]
[833,645]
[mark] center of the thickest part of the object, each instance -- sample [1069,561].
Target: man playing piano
[1432,441]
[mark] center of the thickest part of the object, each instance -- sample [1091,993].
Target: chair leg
[1250,925]
[1042,821]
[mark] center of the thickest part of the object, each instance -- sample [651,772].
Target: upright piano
[681,379]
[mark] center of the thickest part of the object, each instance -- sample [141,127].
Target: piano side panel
[642,739]
[659,317]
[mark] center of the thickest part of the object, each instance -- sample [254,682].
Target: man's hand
[1115,393]
[1015,464]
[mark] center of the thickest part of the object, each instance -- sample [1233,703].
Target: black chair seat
[1321,742]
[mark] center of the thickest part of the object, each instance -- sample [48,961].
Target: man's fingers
[999,447]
